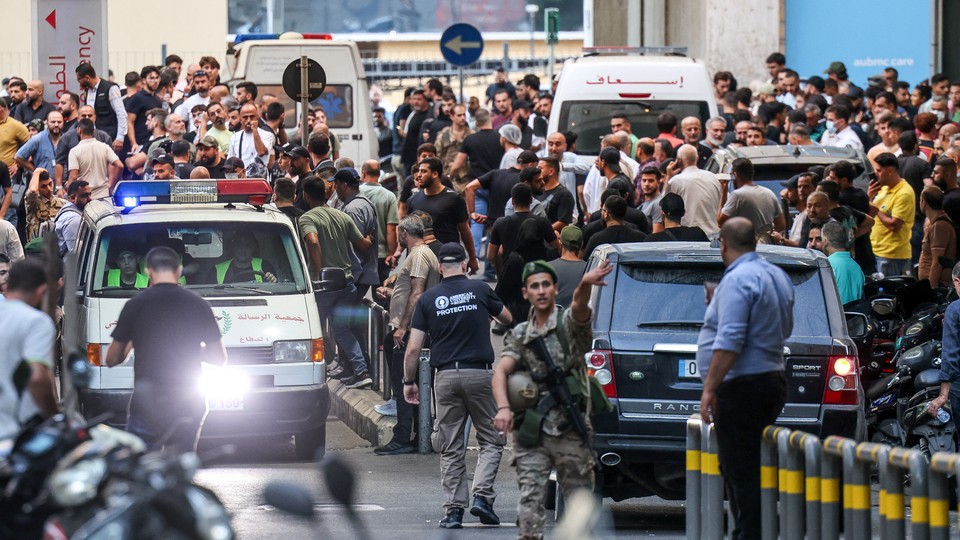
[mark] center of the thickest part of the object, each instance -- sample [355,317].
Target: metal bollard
[877,454]
[806,448]
[425,423]
[790,489]
[694,438]
[905,459]
[942,466]
[768,481]
[837,466]
[374,340]
[712,487]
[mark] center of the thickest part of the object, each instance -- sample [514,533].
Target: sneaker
[337,374]
[394,448]
[387,409]
[453,519]
[360,380]
[484,510]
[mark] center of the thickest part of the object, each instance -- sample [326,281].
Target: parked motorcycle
[886,397]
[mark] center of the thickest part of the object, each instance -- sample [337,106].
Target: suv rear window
[590,120]
[661,297]
[202,246]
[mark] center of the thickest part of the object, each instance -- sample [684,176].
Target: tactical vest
[113,279]
[257,265]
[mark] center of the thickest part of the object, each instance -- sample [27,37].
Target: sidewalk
[355,409]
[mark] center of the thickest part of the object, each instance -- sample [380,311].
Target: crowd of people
[484,181]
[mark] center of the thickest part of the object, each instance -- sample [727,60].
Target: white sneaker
[387,409]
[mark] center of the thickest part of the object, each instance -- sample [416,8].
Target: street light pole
[532,10]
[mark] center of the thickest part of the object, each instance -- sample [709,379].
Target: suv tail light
[842,381]
[600,367]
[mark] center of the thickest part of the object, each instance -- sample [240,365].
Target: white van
[274,381]
[345,99]
[592,89]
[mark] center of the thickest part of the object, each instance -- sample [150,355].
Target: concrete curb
[355,409]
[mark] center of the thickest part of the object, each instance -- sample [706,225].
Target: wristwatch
[409,383]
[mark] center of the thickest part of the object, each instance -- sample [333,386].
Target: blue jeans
[341,307]
[481,206]
[892,267]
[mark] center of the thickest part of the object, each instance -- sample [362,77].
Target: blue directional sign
[461,44]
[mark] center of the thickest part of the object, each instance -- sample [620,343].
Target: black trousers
[406,412]
[745,406]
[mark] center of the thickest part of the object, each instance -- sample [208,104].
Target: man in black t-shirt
[172,331]
[506,230]
[456,313]
[558,199]
[614,232]
[481,152]
[447,209]
[672,210]
[411,140]
[138,105]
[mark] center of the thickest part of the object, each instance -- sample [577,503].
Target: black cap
[347,175]
[817,82]
[295,150]
[451,252]
[233,163]
[855,92]
[522,104]
[671,204]
[611,156]
[163,158]
[792,182]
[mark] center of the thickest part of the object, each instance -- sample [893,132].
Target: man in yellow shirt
[893,207]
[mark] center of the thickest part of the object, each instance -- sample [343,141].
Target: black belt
[464,365]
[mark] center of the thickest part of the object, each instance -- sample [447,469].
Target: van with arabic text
[593,89]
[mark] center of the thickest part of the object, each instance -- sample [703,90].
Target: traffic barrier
[704,482]
[425,420]
[373,346]
[802,479]
[942,465]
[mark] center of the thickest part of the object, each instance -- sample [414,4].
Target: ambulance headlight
[291,351]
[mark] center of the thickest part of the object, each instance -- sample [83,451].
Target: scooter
[886,396]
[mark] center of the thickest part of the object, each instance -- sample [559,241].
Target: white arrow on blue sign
[461,44]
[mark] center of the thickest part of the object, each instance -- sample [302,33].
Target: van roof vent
[663,51]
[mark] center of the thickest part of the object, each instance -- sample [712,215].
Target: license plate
[225,404]
[688,369]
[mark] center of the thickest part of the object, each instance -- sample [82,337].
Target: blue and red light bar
[130,194]
[240,38]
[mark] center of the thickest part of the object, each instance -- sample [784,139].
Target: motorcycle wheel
[311,445]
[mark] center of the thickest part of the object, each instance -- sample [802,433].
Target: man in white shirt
[202,85]
[594,185]
[839,132]
[93,161]
[26,344]
[252,143]
[700,190]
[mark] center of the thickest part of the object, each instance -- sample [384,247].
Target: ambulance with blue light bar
[261,59]
[245,259]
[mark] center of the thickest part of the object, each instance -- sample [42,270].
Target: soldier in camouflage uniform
[40,202]
[555,444]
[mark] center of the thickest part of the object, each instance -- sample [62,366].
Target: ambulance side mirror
[331,279]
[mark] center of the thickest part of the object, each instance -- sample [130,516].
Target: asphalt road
[397,496]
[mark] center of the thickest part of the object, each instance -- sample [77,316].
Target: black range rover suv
[644,347]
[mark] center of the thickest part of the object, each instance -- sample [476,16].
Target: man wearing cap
[346,182]
[233,168]
[568,266]
[330,237]
[208,155]
[456,315]
[672,210]
[299,166]
[838,72]
[510,137]
[163,167]
[547,441]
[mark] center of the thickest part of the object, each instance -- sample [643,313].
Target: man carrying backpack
[41,204]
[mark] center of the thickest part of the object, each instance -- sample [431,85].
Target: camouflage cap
[538,267]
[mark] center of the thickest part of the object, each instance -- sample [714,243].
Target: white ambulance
[261,59]
[274,381]
[593,89]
